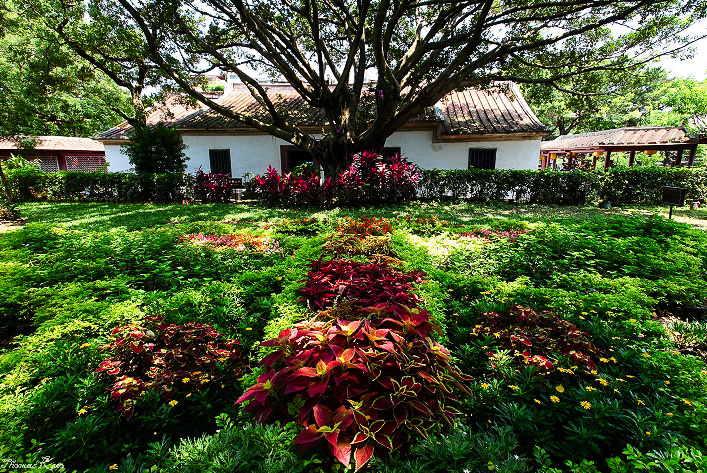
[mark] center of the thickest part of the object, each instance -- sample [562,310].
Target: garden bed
[537,326]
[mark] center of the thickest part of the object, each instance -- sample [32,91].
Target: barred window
[389,152]
[482,158]
[85,163]
[47,163]
[220,160]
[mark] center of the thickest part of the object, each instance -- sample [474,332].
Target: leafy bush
[167,359]
[156,149]
[209,187]
[624,185]
[24,178]
[491,235]
[368,284]
[370,180]
[538,338]
[363,386]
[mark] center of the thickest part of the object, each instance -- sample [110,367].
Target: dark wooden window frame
[212,156]
[491,157]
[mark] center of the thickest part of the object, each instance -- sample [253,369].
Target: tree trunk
[5,186]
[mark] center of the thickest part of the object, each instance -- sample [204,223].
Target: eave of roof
[468,114]
[620,139]
[58,143]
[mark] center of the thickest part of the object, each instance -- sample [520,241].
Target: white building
[488,129]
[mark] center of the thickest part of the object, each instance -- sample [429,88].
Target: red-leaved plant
[537,338]
[368,284]
[167,358]
[236,241]
[365,226]
[361,386]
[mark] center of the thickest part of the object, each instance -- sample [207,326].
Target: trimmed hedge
[620,185]
[112,186]
[547,187]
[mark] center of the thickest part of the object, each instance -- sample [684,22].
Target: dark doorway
[293,156]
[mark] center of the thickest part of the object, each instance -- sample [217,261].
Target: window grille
[482,158]
[220,160]
[85,163]
[47,163]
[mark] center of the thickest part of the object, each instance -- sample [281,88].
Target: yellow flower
[648,433]
[554,399]
[44,380]
[589,388]
[185,380]
[617,391]
[630,376]
[603,382]
[640,403]
[484,385]
[621,379]
[490,466]
[613,359]
[603,360]
[646,355]
[82,411]
[667,382]
[593,311]
[537,401]
[559,389]
[581,317]
[249,328]
[689,403]
[584,313]
[585,405]
[113,467]
[85,345]
[173,403]
[594,372]
[188,395]
[669,414]
[514,387]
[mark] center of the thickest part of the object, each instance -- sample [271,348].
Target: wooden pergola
[601,145]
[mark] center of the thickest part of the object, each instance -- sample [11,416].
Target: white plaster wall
[253,153]
[419,148]
[249,153]
[117,161]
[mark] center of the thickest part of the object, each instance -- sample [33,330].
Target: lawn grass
[628,278]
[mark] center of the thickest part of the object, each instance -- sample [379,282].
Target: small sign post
[673,196]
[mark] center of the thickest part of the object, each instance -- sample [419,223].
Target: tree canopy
[45,89]
[416,51]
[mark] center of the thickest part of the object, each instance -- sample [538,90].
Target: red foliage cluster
[236,241]
[490,235]
[367,283]
[365,226]
[212,187]
[362,386]
[293,190]
[167,358]
[537,338]
[370,180]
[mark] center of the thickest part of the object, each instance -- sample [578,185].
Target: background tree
[46,90]
[157,149]
[680,102]
[417,50]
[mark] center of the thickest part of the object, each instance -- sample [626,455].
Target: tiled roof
[499,109]
[59,143]
[634,136]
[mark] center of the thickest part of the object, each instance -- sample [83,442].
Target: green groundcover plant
[583,330]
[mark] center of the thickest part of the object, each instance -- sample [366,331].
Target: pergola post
[678,158]
[594,162]
[631,157]
[607,160]
[691,157]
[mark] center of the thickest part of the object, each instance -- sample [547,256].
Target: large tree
[416,50]
[45,89]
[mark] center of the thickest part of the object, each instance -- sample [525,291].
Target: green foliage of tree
[680,102]
[417,50]
[157,149]
[45,89]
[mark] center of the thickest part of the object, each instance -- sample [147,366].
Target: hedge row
[102,186]
[618,185]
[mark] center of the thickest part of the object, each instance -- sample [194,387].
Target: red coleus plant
[167,358]
[537,338]
[361,386]
[240,242]
[490,235]
[365,226]
[369,284]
